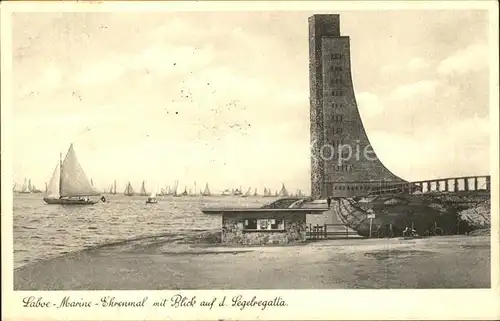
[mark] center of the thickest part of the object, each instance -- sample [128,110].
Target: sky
[223,97]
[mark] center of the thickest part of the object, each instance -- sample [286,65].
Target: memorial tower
[342,160]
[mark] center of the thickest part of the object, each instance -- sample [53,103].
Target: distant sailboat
[26,189]
[69,185]
[227,192]
[206,192]
[34,189]
[267,192]
[283,192]
[247,193]
[112,189]
[152,199]
[185,193]
[143,189]
[174,189]
[91,182]
[238,192]
[129,191]
[255,193]
[166,191]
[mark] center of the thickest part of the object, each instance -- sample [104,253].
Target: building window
[336,55]
[264,225]
[336,105]
[336,81]
[337,93]
[337,69]
[338,130]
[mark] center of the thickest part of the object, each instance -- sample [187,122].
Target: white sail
[129,190]
[143,189]
[74,182]
[248,192]
[283,192]
[174,188]
[206,192]
[52,189]
[25,188]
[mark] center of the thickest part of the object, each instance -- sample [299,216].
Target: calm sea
[44,231]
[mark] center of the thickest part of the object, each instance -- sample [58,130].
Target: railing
[451,184]
[321,232]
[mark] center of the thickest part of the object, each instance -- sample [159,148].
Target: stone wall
[335,118]
[233,232]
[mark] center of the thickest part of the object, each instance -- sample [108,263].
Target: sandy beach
[444,262]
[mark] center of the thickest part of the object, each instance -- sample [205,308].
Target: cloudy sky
[224,97]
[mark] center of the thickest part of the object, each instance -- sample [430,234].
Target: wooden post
[456,185]
[475,183]
[325,234]
[446,187]
[437,186]
[488,183]
[466,184]
[371,222]
[428,186]
[310,231]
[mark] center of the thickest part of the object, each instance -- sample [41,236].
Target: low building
[263,227]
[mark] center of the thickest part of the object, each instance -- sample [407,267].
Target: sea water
[44,231]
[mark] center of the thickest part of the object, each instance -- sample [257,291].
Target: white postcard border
[301,304]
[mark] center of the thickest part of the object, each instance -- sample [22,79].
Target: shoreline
[447,261]
[169,238]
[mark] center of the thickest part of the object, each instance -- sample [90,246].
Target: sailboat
[174,189]
[247,193]
[267,192]
[152,199]
[255,193]
[185,193]
[112,189]
[227,192]
[206,192]
[34,189]
[237,192]
[129,191]
[166,191]
[26,189]
[283,192]
[143,189]
[69,185]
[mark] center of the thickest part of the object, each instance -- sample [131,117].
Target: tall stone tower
[342,160]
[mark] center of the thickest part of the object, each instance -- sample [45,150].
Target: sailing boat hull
[67,201]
